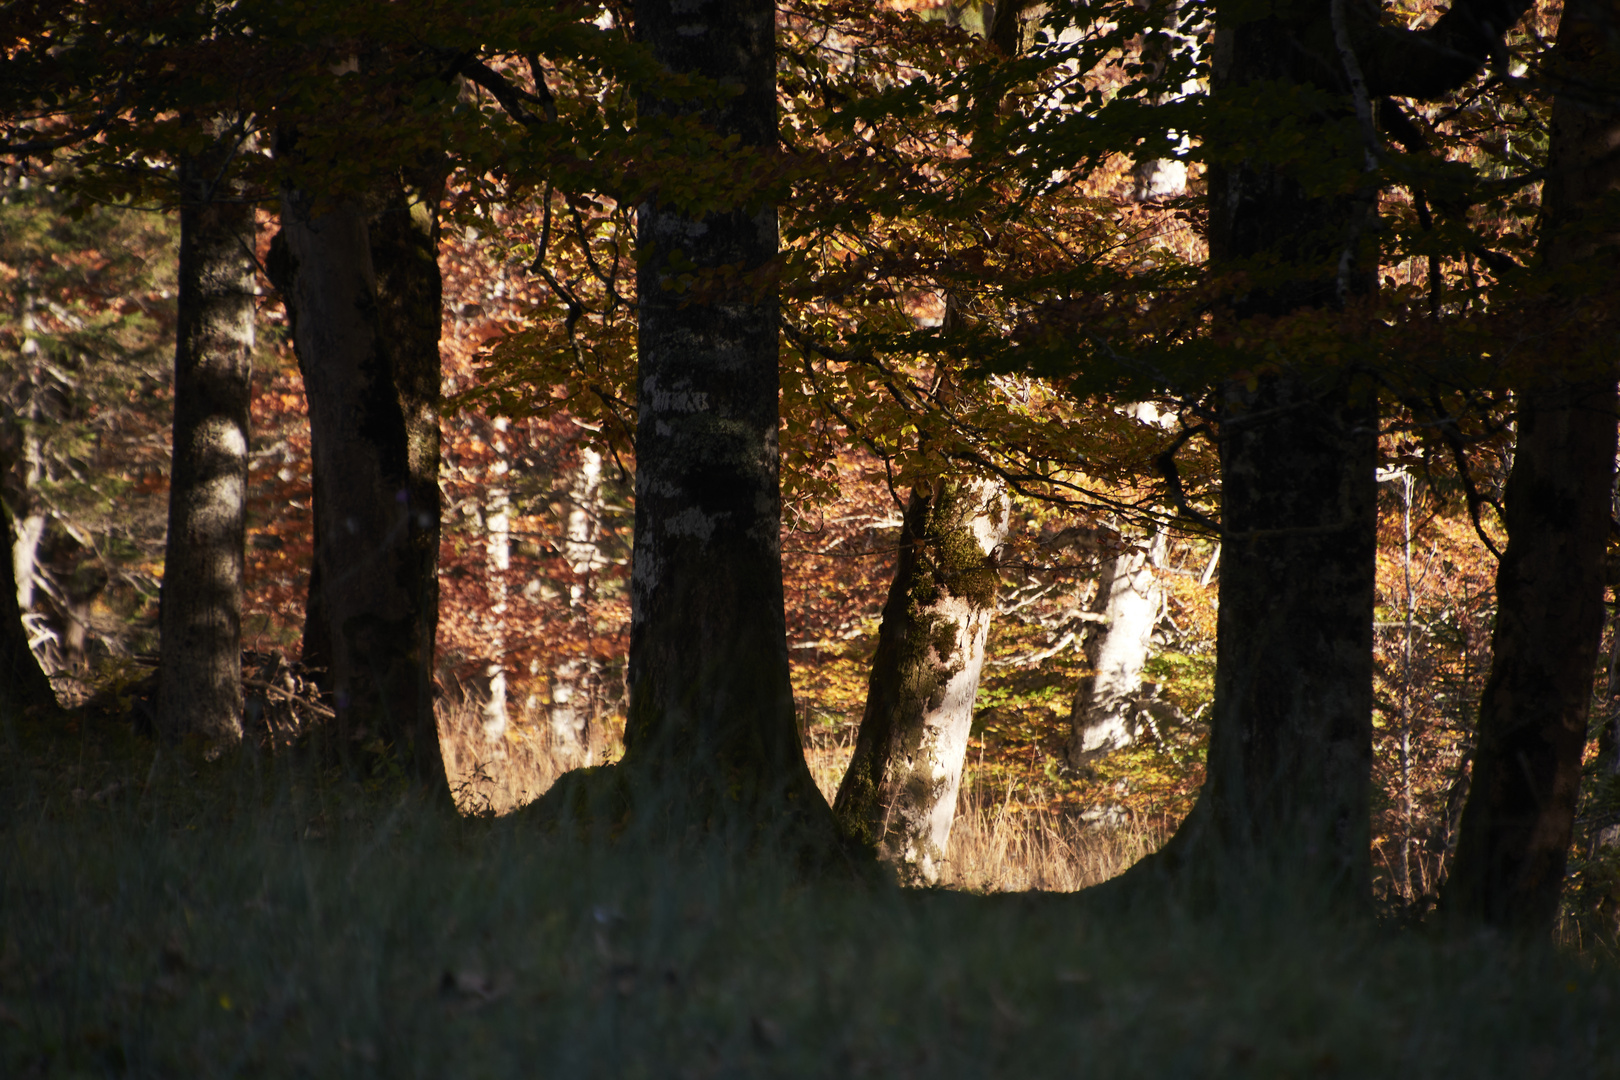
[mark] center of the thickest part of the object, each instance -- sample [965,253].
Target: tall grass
[996,845]
[162,915]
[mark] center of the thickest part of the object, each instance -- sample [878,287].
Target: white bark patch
[946,742]
[692,522]
[660,400]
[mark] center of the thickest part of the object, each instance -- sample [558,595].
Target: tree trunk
[1166,177]
[711,739]
[497,561]
[1290,756]
[573,681]
[899,792]
[200,660]
[1103,718]
[1519,818]
[404,231]
[23,685]
[361,329]
[1286,796]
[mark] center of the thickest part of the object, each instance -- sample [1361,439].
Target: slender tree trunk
[200,662]
[573,682]
[23,685]
[497,561]
[1103,717]
[899,792]
[711,736]
[1518,821]
[360,334]
[1403,859]
[1607,834]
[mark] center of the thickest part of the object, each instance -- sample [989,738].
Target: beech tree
[200,658]
[23,685]
[1517,824]
[1290,743]
[1108,703]
[711,722]
[374,583]
[899,792]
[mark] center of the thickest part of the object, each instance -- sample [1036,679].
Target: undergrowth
[165,915]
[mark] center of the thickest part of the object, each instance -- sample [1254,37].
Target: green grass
[252,918]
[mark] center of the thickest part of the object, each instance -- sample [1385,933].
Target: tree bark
[24,689]
[1166,177]
[1290,756]
[1519,818]
[711,740]
[497,561]
[200,660]
[1103,718]
[1286,797]
[573,681]
[365,314]
[899,792]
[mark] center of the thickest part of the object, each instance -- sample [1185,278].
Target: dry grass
[1008,848]
[996,845]
[495,776]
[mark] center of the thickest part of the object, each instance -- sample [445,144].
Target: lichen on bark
[899,792]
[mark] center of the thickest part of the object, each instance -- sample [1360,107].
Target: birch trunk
[899,792]
[573,682]
[200,661]
[497,561]
[358,335]
[1514,839]
[1103,718]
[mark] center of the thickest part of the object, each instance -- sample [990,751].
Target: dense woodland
[827,421]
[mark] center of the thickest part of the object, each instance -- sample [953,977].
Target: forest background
[537,463]
[1011,398]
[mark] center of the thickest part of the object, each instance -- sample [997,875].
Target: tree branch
[1429,63]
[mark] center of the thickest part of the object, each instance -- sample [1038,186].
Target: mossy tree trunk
[200,661]
[899,792]
[362,291]
[1514,839]
[711,735]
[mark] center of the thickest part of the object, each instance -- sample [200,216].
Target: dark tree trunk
[1291,732]
[711,738]
[1287,789]
[1517,824]
[24,689]
[404,228]
[200,661]
[899,792]
[374,559]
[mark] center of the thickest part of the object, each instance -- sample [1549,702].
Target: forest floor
[166,915]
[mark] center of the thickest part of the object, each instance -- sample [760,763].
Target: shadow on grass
[164,915]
